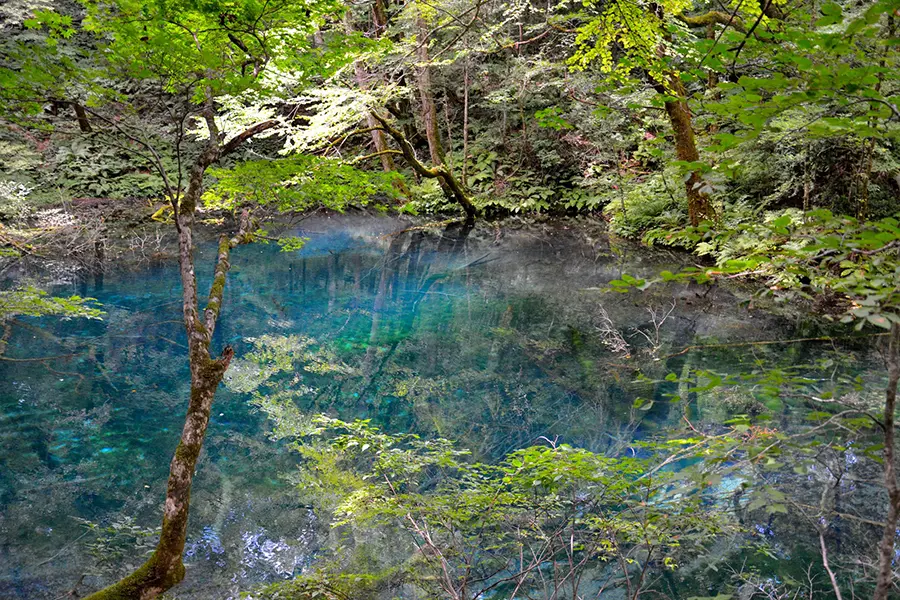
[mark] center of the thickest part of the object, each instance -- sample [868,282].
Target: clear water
[495,338]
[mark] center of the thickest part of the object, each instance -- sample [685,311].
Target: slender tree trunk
[884,581]
[449,125]
[164,568]
[84,123]
[426,97]
[862,204]
[362,77]
[807,179]
[381,148]
[465,127]
[379,17]
[699,206]
[712,81]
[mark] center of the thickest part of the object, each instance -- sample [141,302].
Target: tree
[189,60]
[644,34]
[551,521]
[426,93]
[847,94]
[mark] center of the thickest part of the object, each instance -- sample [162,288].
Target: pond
[498,337]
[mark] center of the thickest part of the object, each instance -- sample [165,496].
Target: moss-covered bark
[714,17]
[885,572]
[699,206]
[451,186]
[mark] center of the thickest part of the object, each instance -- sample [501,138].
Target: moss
[184,453]
[137,585]
[713,17]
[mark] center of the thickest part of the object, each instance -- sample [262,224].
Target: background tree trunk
[699,206]
[465,126]
[362,77]
[84,124]
[426,97]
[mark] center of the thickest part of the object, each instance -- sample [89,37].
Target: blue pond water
[494,337]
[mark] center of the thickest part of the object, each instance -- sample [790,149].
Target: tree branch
[452,188]
[216,290]
[714,17]
[377,154]
[245,135]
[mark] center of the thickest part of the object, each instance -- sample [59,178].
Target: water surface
[499,337]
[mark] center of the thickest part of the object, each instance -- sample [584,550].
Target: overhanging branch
[245,135]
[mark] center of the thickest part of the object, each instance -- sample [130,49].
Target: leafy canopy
[221,45]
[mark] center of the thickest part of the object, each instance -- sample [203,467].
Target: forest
[449,299]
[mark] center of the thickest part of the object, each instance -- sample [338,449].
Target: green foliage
[558,505]
[273,354]
[298,182]
[501,185]
[14,200]
[94,169]
[823,69]
[656,202]
[552,118]
[193,44]
[16,157]
[831,254]
[428,198]
[292,244]
[631,26]
[32,302]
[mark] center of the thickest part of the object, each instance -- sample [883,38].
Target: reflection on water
[495,338]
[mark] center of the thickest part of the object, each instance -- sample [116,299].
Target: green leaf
[879,321]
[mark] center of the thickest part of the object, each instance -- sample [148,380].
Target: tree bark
[865,175]
[84,123]
[378,140]
[699,206]
[423,79]
[465,126]
[379,18]
[713,17]
[884,581]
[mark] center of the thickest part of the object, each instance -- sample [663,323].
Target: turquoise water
[497,337]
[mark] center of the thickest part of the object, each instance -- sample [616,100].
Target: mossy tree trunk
[165,568]
[699,206]
[451,186]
